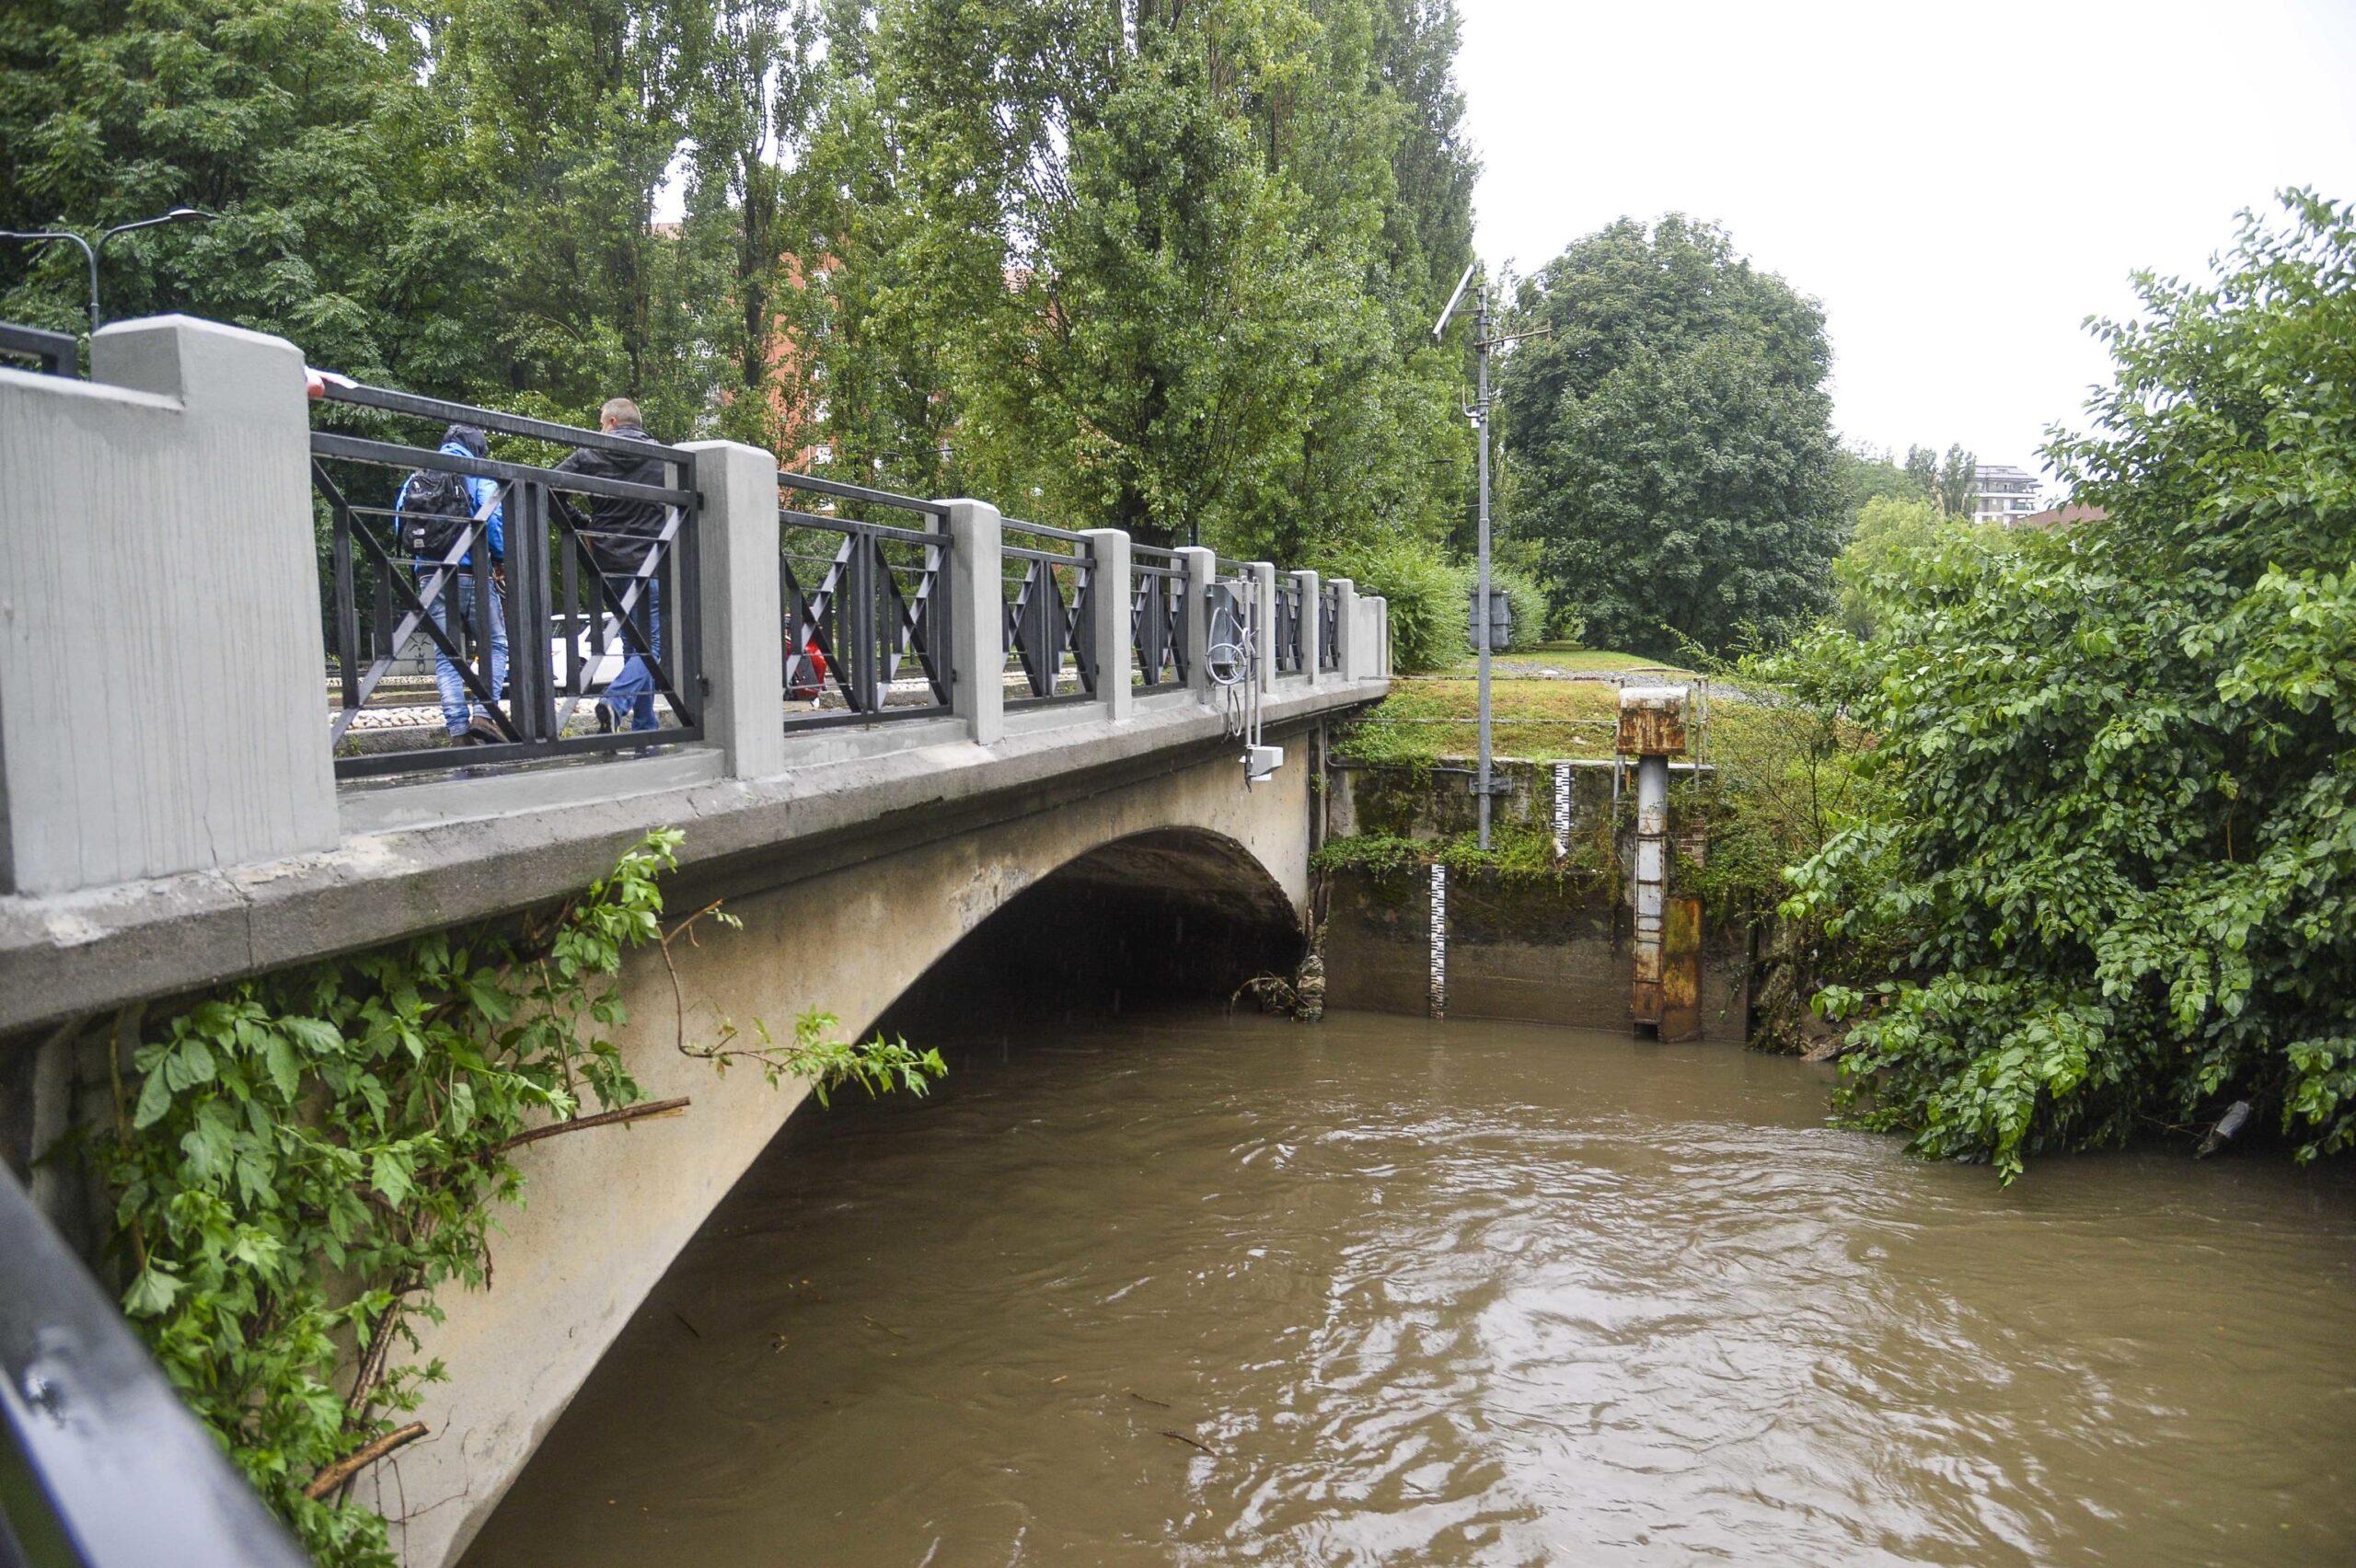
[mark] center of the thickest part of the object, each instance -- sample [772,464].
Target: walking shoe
[484,732]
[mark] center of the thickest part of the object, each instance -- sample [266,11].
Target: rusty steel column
[1652,730]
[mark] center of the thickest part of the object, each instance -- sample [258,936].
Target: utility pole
[1482,346]
[1481,616]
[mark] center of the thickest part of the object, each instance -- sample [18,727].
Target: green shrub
[1531,618]
[1430,616]
[302,1163]
[2112,831]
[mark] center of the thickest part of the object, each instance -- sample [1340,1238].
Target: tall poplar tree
[1674,439]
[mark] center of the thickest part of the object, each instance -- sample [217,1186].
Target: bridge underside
[1171,913]
[1184,881]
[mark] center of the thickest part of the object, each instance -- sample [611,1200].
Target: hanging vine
[299,1163]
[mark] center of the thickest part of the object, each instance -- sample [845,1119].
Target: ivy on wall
[299,1163]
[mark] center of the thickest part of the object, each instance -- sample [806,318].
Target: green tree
[306,125]
[2117,852]
[1890,533]
[1923,467]
[573,115]
[1959,478]
[751,120]
[1866,475]
[1673,440]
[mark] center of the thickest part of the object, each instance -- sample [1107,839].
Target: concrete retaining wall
[1549,946]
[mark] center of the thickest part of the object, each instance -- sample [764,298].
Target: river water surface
[1195,1289]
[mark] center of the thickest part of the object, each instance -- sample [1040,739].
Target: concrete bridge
[172,813]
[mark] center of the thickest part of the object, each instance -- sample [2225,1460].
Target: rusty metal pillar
[1652,730]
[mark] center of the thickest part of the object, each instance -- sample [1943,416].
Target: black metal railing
[52,353]
[866,606]
[1048,580]
[101,1465]
[1329,625]
[597,582]
[1157,618]
[1287,625]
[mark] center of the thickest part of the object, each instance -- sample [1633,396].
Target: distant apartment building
[2001,493]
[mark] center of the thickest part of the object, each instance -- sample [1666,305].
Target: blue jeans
[635,684]
[460,592]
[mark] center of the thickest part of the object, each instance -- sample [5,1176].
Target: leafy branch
[300,1162]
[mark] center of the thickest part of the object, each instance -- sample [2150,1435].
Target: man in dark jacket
[621,534]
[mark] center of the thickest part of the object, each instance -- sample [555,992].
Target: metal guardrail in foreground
[1329,625]
[100,1464]
[1157,618]
[599,573]
[1052,612]
[53,354]
[861,601]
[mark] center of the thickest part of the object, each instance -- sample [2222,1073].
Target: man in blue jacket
[433,507]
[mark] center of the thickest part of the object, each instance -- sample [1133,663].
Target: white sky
[1960,185]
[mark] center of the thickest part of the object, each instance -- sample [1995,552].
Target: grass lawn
[1544,721]
[1568,657]
[1538,719]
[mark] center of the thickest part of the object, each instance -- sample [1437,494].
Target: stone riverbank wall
[1538,930]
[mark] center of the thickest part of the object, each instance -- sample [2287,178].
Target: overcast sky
[1960,185]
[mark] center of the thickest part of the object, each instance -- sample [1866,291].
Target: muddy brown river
[1192,1289]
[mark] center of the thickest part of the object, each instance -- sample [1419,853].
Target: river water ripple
[1194,1290]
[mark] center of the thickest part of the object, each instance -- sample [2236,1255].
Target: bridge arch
[1175,911]
[1177,878]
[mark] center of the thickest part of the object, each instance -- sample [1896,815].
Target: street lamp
[1484,345]
[90,252]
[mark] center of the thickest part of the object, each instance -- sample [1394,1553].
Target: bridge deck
[427,854]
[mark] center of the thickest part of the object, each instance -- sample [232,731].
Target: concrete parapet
[1263,640]
[1312,611]
[744,711]
[1109,593]
[1201,569]
[1346,629]
[162,660]
[977,619]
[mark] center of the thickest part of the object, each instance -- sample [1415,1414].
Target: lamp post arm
[177,214]
[88,254]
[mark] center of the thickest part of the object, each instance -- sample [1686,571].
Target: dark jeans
[635,684]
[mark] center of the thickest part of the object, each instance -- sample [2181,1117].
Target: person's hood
[468,439]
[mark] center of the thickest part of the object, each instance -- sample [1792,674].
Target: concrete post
[1263,641]
[1346,629]
[743,648]
[163,693]
[1110,592]
[1202,568]
[1304,584]
[1382,637]
[977,620]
